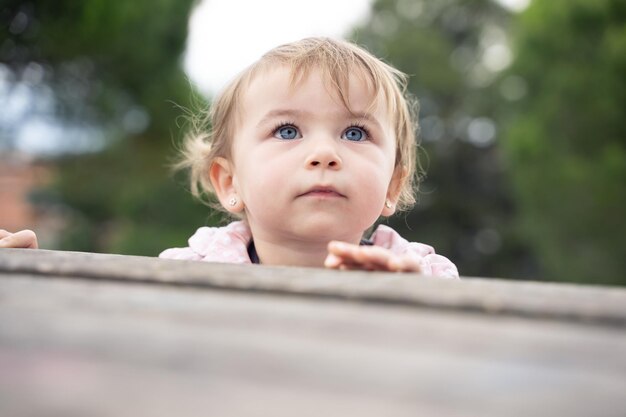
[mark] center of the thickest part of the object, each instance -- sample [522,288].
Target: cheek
[373,192]
[373,183]
[261,177]
[377,168]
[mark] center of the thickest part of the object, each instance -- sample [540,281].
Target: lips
[322,191]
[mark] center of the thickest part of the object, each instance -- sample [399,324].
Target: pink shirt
[229,244]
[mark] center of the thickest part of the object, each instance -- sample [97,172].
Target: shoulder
[215,244]
[432,264]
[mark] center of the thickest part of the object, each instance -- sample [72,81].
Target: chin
[327,229]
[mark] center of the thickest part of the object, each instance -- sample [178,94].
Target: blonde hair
[211,134]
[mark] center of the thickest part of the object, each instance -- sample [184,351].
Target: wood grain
[109,335]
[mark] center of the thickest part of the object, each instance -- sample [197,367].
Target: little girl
[308,147]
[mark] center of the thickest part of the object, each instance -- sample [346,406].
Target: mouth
[323,192]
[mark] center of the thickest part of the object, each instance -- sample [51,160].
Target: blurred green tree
[114,70]
[454,51]
[567,137]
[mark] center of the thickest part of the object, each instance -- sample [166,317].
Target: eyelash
[352,125]
[363,128]
[281,124]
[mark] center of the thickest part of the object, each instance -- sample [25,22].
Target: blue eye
[355,134]
[287,132]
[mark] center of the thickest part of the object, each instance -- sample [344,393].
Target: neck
[294,252]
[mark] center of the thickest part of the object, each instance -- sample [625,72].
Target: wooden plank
[84,346]
[90,334]
[592,304]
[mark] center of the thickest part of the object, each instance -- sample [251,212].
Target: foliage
[567,137]
[525,167]
[114,66]
[464,207]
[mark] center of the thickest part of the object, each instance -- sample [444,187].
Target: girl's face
[305,168]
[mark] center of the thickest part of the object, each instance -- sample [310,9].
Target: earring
[388,204]
[232,201]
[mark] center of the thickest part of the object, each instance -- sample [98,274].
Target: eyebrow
[301,113]
[281,113]
[367,116]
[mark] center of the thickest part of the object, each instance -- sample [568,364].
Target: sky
[225,36]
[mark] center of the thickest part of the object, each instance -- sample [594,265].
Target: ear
[393,191]
[224,183]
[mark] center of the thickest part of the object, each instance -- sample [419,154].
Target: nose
[324,154]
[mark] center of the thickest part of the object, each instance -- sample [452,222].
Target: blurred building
[20,176]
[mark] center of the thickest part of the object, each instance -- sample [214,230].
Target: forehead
[276,85]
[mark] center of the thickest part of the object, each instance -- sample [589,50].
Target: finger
[23,239]
[337,262]
[355,266]
[28,238]
[351,264]
[371,258]
[345,251]
[341,249]
[340,253]
[381,259]
[4,233]
[374,256]
[333,261]
[405,264]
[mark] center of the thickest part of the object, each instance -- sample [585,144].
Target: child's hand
[23,239]
[343,255]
